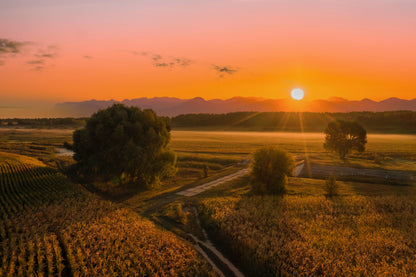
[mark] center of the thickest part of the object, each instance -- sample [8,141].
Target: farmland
[366,230]
[50,227]
[395,152]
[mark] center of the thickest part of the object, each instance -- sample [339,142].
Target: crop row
[24,186]
[48,230]
[312,235]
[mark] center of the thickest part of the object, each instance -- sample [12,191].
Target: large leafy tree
[270,168]
[125,144]
[344,136]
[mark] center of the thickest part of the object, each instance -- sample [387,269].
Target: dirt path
[205,247]
[201,188]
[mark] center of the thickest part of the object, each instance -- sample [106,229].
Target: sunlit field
[367,230]
[396,152]
[50,227]
[218,149]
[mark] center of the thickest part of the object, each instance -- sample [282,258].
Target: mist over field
[207,138]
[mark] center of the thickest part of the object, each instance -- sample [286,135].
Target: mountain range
[171,106]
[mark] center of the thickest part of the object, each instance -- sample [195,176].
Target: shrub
[270,169]
[331,186]
[205,169]
[378,158]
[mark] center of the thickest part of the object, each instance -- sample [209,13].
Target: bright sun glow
[297,94]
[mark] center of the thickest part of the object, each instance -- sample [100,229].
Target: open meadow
[390,151]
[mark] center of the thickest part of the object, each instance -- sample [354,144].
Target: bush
[270,169]
[331,186]
[124,144]
[205,169]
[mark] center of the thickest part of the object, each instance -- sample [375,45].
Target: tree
[270,168]
[124,144]
[344,136]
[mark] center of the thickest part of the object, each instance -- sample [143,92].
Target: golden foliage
[49,228]
[313,235]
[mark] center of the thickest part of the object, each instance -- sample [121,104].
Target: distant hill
[170,106]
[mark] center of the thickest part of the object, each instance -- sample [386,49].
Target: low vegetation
[49,227]
[305,233]
[270,168]
[331,186]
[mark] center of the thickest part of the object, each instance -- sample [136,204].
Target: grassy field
[218,149]
[394,152]
[50,227]
[367,230]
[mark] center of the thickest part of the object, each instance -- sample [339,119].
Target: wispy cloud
[222,71]
[38,57]
[159,60]
[88,57]
[136,53]
[43,57]
[35,62]
[171,62]
[11,46]
[38,68]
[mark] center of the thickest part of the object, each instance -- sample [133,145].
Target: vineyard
[49,227]
[304,235]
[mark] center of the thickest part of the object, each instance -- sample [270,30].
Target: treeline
[376,122]
[403,122]
[43,122]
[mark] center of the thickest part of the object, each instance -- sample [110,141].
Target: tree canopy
[344,136]
[125,144]
[270,169]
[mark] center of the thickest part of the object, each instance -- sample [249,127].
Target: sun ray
[305,147]
[283,121]
[243,119]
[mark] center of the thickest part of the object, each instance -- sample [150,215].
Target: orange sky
[74,51]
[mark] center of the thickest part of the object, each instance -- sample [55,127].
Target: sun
[297,94]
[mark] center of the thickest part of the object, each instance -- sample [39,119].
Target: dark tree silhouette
[126,145]
[344,136]
[270,169]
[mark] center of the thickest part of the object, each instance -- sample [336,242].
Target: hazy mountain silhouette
[171,106]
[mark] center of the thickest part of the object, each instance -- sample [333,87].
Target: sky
[56,51]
